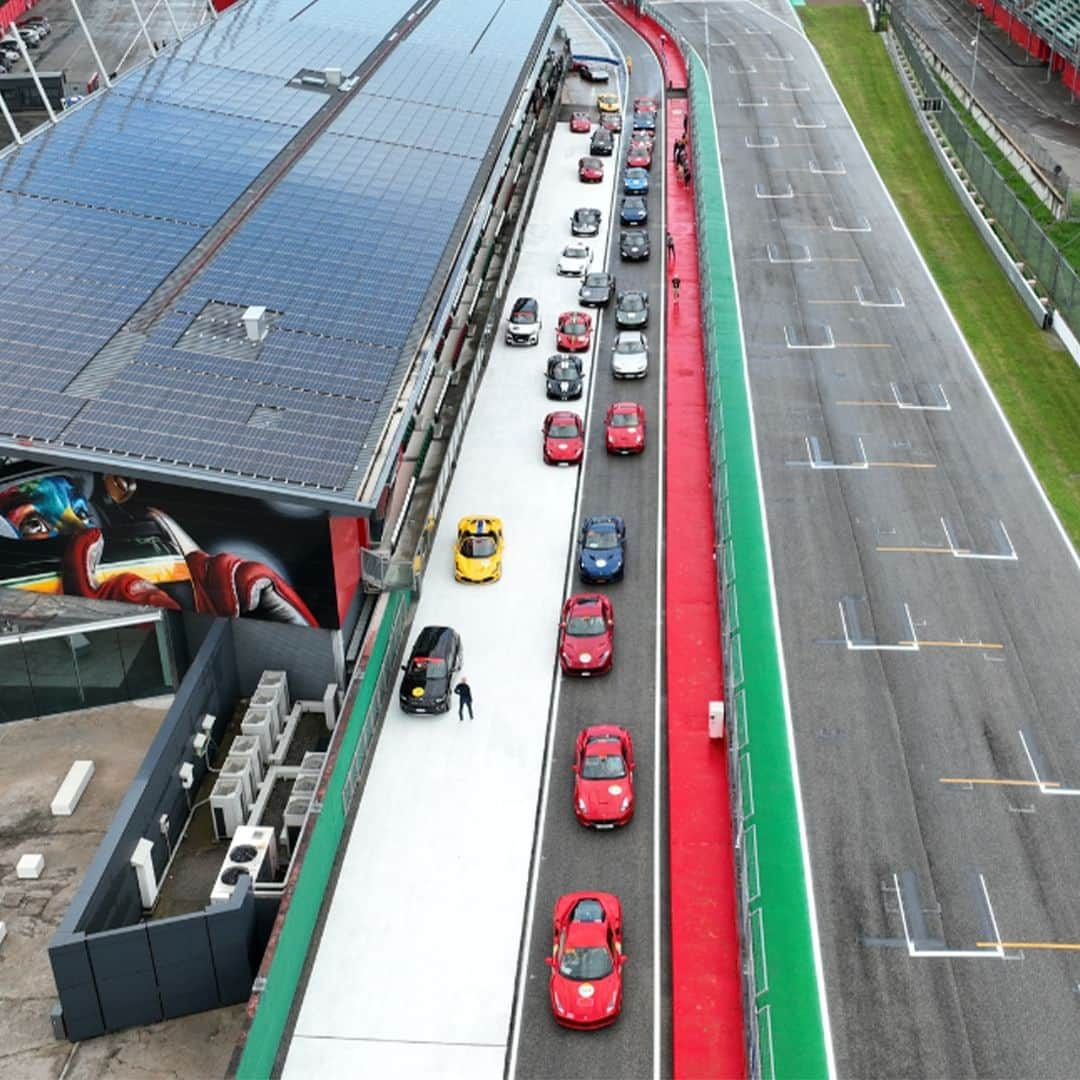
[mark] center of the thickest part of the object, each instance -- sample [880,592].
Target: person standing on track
[464,693]
[670,248]
[675,283]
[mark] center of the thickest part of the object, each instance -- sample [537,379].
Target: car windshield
[432,666]
[564,370]
[562,429]
[603,767]
[590,963]
[575,251]
[590,163]
[629,345]
[634,238]
[478,547]
[600,538]
[633,302]
[585,625]
[633,204]
[574,326]
[624,419]
[596,281]
[523,316]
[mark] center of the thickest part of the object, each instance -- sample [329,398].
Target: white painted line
[959,553]
[993,918]
[800,813]
[804,125]
[830,342]
[1044,787]
[863,302]
[899,897]
[901,404]
[949,954]
[771,143]
[753,103]
[733,70]
[837,170]
[761,193]
[795,89]
[813,450]
[864,227]
[776,258]
[785,59]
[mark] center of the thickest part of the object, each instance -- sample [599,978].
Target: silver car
[630,355]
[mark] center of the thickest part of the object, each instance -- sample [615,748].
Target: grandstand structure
[1048,29]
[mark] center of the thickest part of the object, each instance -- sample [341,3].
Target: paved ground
[34,758]
[1042,116]
[571,857]
[914,657]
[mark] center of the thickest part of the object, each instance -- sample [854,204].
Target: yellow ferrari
[608,102]
[479,550]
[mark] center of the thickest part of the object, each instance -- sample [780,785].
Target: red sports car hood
[576,649]
[584,1001]
[603,798]
[560,449]
[624,436]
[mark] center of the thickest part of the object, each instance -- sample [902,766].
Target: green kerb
[789,999]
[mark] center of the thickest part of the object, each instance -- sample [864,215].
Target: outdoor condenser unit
[227,807]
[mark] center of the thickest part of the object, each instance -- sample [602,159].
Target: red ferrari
[624,428]
[645,104]
[580,123]
[590,170]
[586,960]
[612,121]
[604,776]
[639,156]
[564,438]
[573,331]
[587,635]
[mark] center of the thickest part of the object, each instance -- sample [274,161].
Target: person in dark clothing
[670,247]
[464,693]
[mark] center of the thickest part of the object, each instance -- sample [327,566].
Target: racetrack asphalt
[572,857]
[932,685]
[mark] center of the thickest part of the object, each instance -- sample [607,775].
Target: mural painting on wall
[110,537]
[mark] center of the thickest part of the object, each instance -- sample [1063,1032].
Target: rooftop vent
[256,323]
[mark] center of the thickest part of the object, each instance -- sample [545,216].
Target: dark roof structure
[235,170]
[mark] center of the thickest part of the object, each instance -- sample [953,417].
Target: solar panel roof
[133,241]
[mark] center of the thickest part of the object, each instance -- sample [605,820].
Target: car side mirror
[622,959]
[562,625]
[575,768]
[550,961]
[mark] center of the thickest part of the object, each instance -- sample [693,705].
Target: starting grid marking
[856,641]
[1005,552]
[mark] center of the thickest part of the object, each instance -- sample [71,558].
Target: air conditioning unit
[273,679]
[312,763]
[258,723]
[296,812]
[248,746]
[239,769]
[274,697]
[305,786]
[252,853]
[228,807]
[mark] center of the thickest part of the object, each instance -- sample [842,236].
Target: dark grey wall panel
[78,994]
[307,655]
[184,965]
[125,977]
[232,938]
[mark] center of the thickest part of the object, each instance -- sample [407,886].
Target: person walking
[675,283]
[464,693]
[670,248]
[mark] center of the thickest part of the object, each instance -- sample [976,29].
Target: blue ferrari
[636,182]
[602,553]
[634,210]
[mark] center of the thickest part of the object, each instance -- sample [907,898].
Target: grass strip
[1034,377]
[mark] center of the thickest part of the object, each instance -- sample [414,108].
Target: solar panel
[343,248]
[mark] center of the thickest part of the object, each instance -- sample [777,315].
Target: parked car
[603,143]
[564,380]
[635,182]
[479,549]
[645,104]
[523,327]
[604,776]
[586,960]
[30,36]
[630,355]
[608,103]
[435,658]
[632,310]
[574,260]
[585,221]
[587,635]
[564,438]
[634,210]
[634,244]
[639,156]
[596,290]
[573,332]
[602,549]
[644,121]
[624,428]
[580,123]
[590,170]
[612,121]
[595,73]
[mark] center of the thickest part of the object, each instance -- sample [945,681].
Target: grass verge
[1034,378]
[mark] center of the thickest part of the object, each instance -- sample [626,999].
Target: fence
[1041,257]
